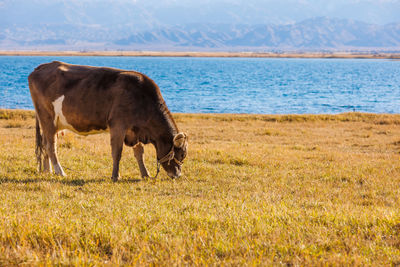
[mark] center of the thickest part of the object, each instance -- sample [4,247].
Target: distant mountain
[320,33]
[316,34]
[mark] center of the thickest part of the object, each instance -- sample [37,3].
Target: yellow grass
[257,189]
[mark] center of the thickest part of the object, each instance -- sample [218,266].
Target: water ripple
[240,85]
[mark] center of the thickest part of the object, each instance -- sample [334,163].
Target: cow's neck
[164,129]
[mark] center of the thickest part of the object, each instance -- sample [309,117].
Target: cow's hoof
[115,179]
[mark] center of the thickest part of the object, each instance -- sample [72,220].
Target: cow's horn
[179,140]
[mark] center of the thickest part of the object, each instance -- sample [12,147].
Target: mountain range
[315,34]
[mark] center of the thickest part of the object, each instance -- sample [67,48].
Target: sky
[148,14]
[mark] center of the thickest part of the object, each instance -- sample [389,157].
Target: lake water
[239,85]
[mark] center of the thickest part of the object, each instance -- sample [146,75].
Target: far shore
[363,55]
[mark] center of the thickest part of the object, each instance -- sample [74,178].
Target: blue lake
[239,85]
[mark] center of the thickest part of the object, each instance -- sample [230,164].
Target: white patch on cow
[60,122]
[59,119]
[63,68]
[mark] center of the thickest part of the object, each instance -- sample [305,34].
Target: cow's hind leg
[51,150]
[40,151]
[138,150]
[48,142]
[46,159]
[46,164]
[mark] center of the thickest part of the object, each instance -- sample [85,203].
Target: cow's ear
[180,140]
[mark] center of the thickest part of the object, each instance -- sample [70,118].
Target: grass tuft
[10,114]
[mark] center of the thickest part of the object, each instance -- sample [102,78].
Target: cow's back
[83,95]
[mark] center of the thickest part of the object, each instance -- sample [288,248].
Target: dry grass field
[256,190]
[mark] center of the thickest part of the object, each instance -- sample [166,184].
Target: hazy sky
[154,13]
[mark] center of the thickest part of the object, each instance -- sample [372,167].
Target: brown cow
[89,100]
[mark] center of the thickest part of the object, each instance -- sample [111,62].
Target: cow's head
[172,162]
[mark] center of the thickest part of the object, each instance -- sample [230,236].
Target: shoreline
[262,116]
[342,55]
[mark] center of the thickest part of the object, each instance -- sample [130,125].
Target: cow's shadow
[70,182]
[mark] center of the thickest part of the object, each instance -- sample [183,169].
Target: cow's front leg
[117,139]
[138,150]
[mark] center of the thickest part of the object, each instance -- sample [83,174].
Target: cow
[89,100]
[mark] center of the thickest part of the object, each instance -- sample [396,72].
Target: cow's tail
[39,145]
